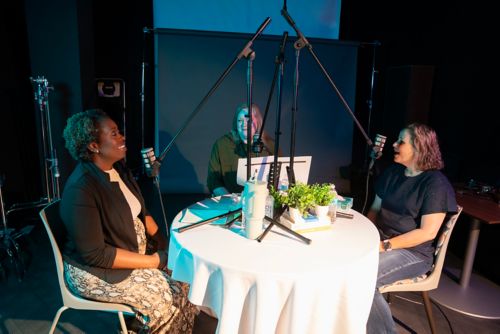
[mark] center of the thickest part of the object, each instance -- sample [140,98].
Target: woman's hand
[429,228]
[125,259]
[155,233]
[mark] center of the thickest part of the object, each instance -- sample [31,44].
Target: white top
[133,202]
[280,285]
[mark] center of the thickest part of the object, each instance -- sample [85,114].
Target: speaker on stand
[111,99]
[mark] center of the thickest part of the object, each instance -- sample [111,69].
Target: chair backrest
[431,280]
[57,233]
[443,239]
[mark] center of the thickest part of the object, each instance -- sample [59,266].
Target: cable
[444,315]
[435,304]
[366,191]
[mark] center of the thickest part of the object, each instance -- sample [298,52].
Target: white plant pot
[295,215]
[321,211]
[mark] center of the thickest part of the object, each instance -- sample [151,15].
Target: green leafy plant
[278,196]
[322,193]
[298,196]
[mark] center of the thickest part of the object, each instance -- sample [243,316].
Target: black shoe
[134,326]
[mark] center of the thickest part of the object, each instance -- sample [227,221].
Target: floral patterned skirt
[152,293]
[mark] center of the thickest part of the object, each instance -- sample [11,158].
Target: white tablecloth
[280,285]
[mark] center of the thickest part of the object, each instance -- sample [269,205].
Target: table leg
[470,253]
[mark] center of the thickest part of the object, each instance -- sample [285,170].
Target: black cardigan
[98,220]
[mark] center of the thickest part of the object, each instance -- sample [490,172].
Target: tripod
[50,180]
[8,242]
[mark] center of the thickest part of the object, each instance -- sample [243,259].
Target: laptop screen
[261,166]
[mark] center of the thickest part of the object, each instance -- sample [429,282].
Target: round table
[280,285]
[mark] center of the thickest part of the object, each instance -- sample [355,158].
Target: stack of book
[310,223]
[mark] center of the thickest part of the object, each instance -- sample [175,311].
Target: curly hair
[82,129]
[425,142]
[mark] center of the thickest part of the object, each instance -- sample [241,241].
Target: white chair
[56,231]
[429,281]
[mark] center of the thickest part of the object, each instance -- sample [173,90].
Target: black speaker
[111,99]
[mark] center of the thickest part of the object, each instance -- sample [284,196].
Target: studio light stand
[51,174]
[50,178]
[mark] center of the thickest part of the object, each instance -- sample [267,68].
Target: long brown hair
[256,114]
[425,142]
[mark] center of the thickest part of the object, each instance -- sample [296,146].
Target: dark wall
[59,44]
[120,49]
[19,150]
[455,39]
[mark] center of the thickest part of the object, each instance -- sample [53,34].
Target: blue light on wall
[315,18]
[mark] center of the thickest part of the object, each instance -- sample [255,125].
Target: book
[306,224]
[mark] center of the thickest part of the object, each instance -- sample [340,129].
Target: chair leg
[428,310]
[122,323]
[56,318]
[388,298]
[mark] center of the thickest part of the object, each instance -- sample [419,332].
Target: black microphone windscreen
[379,142]
[148,158]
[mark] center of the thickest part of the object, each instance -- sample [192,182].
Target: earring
[96,151]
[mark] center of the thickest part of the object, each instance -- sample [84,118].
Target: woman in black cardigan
[108,230]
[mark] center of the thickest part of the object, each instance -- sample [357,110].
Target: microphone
[257,145]
[377,148]
[151,165]
[301,38]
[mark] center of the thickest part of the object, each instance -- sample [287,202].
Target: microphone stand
[289,169]
[278,74]
[250,58]
[299,44]
[277,77]
[145,31]
[280,63]
[245,52]
[156,179]
[369,102]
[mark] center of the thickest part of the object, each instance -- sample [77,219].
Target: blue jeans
[393,266]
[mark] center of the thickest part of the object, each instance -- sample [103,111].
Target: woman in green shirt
[226,151]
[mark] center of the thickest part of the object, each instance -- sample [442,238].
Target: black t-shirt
[406,199]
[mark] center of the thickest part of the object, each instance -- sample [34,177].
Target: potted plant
[299,199]
[323,195]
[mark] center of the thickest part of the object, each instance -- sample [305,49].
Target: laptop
[261,167]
